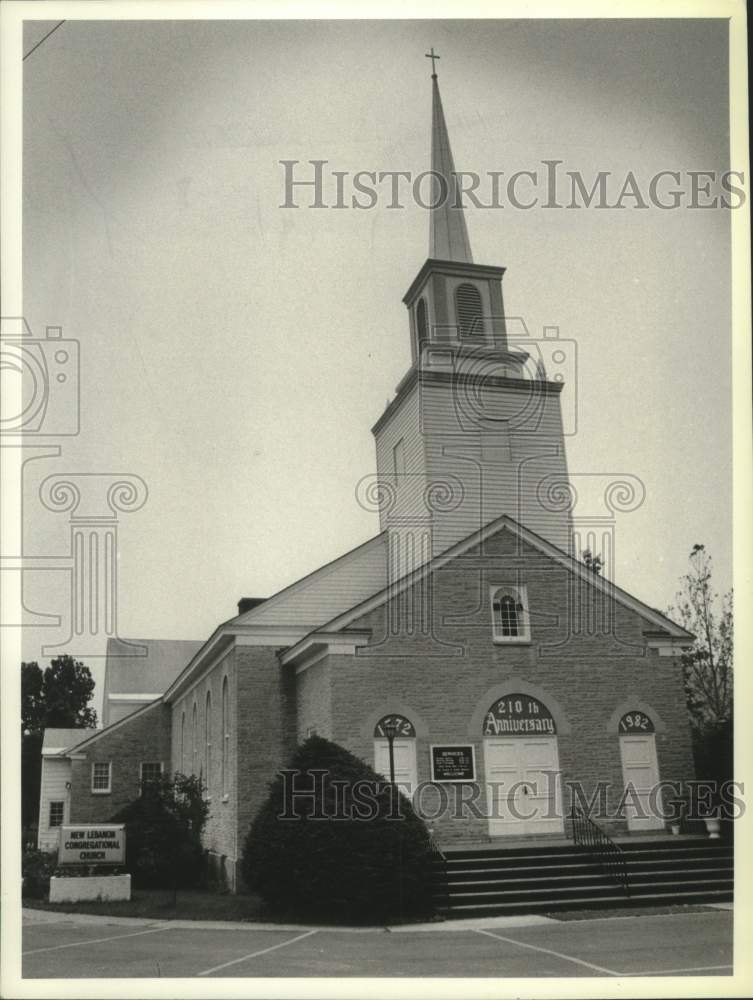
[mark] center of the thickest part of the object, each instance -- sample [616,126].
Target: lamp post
[390,731]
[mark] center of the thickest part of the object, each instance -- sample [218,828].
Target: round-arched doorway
[521,762]
[640,770]
[403,752]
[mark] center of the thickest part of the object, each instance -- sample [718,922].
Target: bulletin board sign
[456,762]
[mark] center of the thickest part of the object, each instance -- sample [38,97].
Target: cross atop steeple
[430,55]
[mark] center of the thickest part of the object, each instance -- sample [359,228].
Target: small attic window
[422,324]
[469,310]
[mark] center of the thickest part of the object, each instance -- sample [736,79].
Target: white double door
[640,773]
[523,785]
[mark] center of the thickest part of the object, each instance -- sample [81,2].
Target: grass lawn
[157,904]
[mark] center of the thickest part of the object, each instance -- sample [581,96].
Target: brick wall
[266,733]
[145,738]
[457,669]
[189,756]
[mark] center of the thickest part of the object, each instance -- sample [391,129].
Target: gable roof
[94,734]
[145,666]
[505,523]
[56,741]
[327,591]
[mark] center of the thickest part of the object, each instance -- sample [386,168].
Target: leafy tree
[32,698]
[320,857]
[67,688]
[56,697]
[707,666]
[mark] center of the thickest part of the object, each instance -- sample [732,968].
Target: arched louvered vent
[422,326]
[469,312]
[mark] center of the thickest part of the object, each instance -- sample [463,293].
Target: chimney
[247,603]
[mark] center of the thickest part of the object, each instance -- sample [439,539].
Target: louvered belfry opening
[422,326]
[469,312]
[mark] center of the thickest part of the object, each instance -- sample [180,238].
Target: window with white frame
[101,777]
[151,770]
[56,813]
[225,736]
[510,614]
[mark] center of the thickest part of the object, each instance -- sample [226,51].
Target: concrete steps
[498,880]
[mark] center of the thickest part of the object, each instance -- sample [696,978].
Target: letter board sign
[453,763]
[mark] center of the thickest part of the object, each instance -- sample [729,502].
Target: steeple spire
[448,237]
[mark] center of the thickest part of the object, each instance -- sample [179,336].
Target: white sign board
[98,844]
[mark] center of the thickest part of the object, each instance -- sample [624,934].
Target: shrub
[37,867]
[163,833]
[340,867]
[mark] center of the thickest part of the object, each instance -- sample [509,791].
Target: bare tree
[708,664]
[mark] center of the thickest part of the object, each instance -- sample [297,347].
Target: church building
[504,669]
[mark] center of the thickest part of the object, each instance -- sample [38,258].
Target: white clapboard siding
[504,470]
[56,771]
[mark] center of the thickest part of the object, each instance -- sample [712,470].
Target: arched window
[510,614]
[208,742]
[225,736]
[422,324]
[183,743]
[194,740]
[469,310]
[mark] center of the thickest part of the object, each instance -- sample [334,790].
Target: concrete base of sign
[89,887]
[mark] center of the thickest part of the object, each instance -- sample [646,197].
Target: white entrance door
[523,785]
[405,763]
[640,773]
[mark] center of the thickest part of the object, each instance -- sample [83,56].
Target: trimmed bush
[353,851]
[163,834]
[37,867]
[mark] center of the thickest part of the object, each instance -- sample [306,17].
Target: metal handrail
[608,855]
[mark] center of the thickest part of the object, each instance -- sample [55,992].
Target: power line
[35,47]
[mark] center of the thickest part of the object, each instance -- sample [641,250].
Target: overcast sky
[236,354]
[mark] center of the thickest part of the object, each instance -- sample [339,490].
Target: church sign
[98,844]
[636,722]
[453,763]
[519,715]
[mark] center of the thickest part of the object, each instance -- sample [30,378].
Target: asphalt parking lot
[697,943]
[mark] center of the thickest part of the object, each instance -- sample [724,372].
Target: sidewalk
[31,916]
